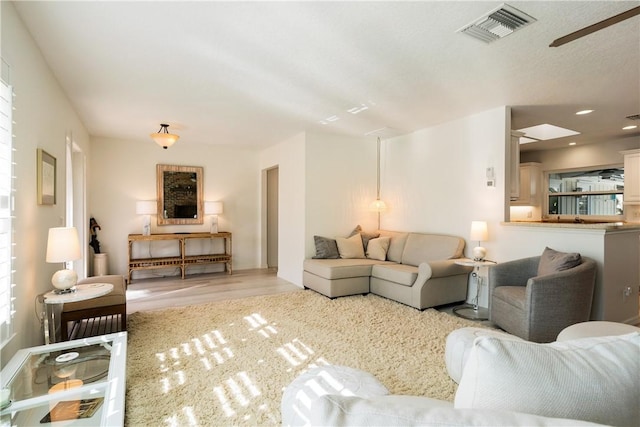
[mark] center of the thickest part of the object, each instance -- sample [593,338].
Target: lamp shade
[63,245]
[146,207]
[378,206]
[163,138]
[212,208]
[479,231]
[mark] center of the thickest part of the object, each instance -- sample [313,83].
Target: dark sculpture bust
[94,243]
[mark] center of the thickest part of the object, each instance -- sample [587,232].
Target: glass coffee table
[72,383]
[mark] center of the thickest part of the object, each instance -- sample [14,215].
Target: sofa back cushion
[590,379]
[431,247]
[396,246]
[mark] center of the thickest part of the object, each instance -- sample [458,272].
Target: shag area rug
[227,363]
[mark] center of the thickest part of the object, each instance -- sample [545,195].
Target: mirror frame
[160,171]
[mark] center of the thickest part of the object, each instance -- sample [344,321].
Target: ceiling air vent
[634,117]
[497,24]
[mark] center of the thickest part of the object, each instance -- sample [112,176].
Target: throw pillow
[378,247]
[590,379]
[326,248]
[553,261]
[351,247]
[365,235]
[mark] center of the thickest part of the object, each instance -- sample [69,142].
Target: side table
[473,311]
[54,302]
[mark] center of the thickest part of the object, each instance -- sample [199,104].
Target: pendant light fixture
[378,205]
[163,138]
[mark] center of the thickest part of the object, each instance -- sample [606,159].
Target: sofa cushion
[398,273]
[396,245]
[326,248]
[366,236]
[340,268]
[378,247]
[350,247]
[512,295]
[553,261]
[430,247]
[591,379]
[459,344]
[298,396]
[398,410]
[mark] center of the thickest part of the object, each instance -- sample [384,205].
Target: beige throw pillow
[377,248]
[351,247]
[366,236]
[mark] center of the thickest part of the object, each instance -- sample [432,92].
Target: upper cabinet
[631,177]
[530,185]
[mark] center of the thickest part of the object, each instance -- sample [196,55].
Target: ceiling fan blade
[596,27]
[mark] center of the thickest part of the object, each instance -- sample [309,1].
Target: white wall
[340,186]
[289,156]
[123,172]
[43,117]
[434,179]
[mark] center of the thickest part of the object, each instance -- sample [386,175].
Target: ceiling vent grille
[497,24]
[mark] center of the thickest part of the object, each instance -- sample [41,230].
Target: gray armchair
[536,308]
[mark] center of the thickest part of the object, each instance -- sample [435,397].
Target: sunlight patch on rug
[228,362]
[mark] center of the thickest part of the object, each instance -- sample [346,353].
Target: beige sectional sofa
[419,270]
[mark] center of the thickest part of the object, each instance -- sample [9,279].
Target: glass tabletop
[48,372]
[67,381]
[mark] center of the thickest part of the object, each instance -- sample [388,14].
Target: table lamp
[63,246]
[213,209]
[146,208]
[479,232]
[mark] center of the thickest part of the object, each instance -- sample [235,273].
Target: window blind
[6,214]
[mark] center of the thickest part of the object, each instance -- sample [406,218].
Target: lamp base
[64,280]
[479,253]
[64,291]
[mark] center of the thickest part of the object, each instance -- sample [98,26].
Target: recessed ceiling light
[329,120]
[360,108]
[572,143]
[629,127]
[583,112]
[546,131]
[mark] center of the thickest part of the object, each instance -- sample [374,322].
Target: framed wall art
[46,178]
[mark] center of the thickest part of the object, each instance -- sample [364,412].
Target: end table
[54,302]
[473,311]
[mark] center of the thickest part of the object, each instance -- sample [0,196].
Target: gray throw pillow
[365,236]
[326,248]
[553,261]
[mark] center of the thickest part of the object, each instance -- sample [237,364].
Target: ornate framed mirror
[180,192]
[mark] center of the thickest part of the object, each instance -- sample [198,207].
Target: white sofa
[506,382]
[419,270]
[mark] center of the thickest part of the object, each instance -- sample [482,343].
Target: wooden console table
[182,260]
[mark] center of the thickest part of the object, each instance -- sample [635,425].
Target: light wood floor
[156,294]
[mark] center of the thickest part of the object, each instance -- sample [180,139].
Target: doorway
[272,217]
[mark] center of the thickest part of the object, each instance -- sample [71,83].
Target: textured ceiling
[256,73]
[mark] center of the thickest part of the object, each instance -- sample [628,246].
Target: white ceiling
[256,73]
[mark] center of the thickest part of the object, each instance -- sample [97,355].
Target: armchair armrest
[568,291]
[513,273]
